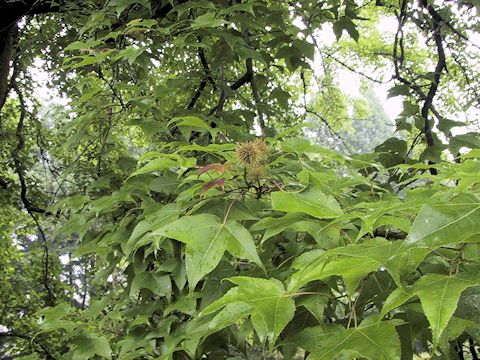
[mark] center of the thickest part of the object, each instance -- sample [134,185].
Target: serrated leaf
[398,90]
[273,226]
[444,224]
[159,284]
[52,318]
[207,20]
[352,262]
[186,304]
[438,294]
[162,163]
[271,308]
[154,221]
[378,341]
[86,347]
[206,239]
[445,125]
[345,23]
[315,304]
[313,202]
[469,140]
[192,121]
[167,184]
[231,313]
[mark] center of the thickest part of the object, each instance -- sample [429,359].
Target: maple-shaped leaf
[206,239]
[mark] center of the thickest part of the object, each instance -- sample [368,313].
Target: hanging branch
[206,67]
[441,65]
[32,340]
[31,209]
[16,155]
[244,79]
[330,129]
[203,82]
[50,298]
[253,85]
[320,117]
[399,56]
[350,68]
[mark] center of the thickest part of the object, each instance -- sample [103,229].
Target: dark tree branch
[196,96]
[7,41]
[203,82]
[245,79]
[50,298]
[330,129]
[398,59]
[206,67]
[30,339]
[390,235]
[441,65]
[473,351]
[16,154]
[346,66]
[14,10]
[253,85]
[459,350]
[31,209]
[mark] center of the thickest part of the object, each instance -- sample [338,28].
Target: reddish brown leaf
[221,168]
[217,182]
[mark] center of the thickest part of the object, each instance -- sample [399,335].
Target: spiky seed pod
[255,172]
[261,149]
[246,152]
[252,152]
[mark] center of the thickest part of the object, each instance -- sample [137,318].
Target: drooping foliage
[166,205]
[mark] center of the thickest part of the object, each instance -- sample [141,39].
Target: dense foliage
[164,202]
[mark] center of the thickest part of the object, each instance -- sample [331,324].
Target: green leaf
[192,121]
[316,304]
[186,304]
[273,226]
[271,308]
[442,224]
[157,283]
[445,125]
[469,140]
[206,239]
[167,184]
[154,221]
[87,346]
[313,202]
[162,163]
[352,262]
[207,20]
[121,5]
[398,90]
[378,341]
[345,23]
[230,314]
[439,295]
[52,318]
[409,109]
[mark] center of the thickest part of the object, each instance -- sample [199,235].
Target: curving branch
[441,65]
[203,83]
[244,79]
[29,206]
[18,167]
[32,340]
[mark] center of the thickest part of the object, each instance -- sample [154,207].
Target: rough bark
[7,40]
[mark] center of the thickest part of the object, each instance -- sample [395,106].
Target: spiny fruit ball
[252,152]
